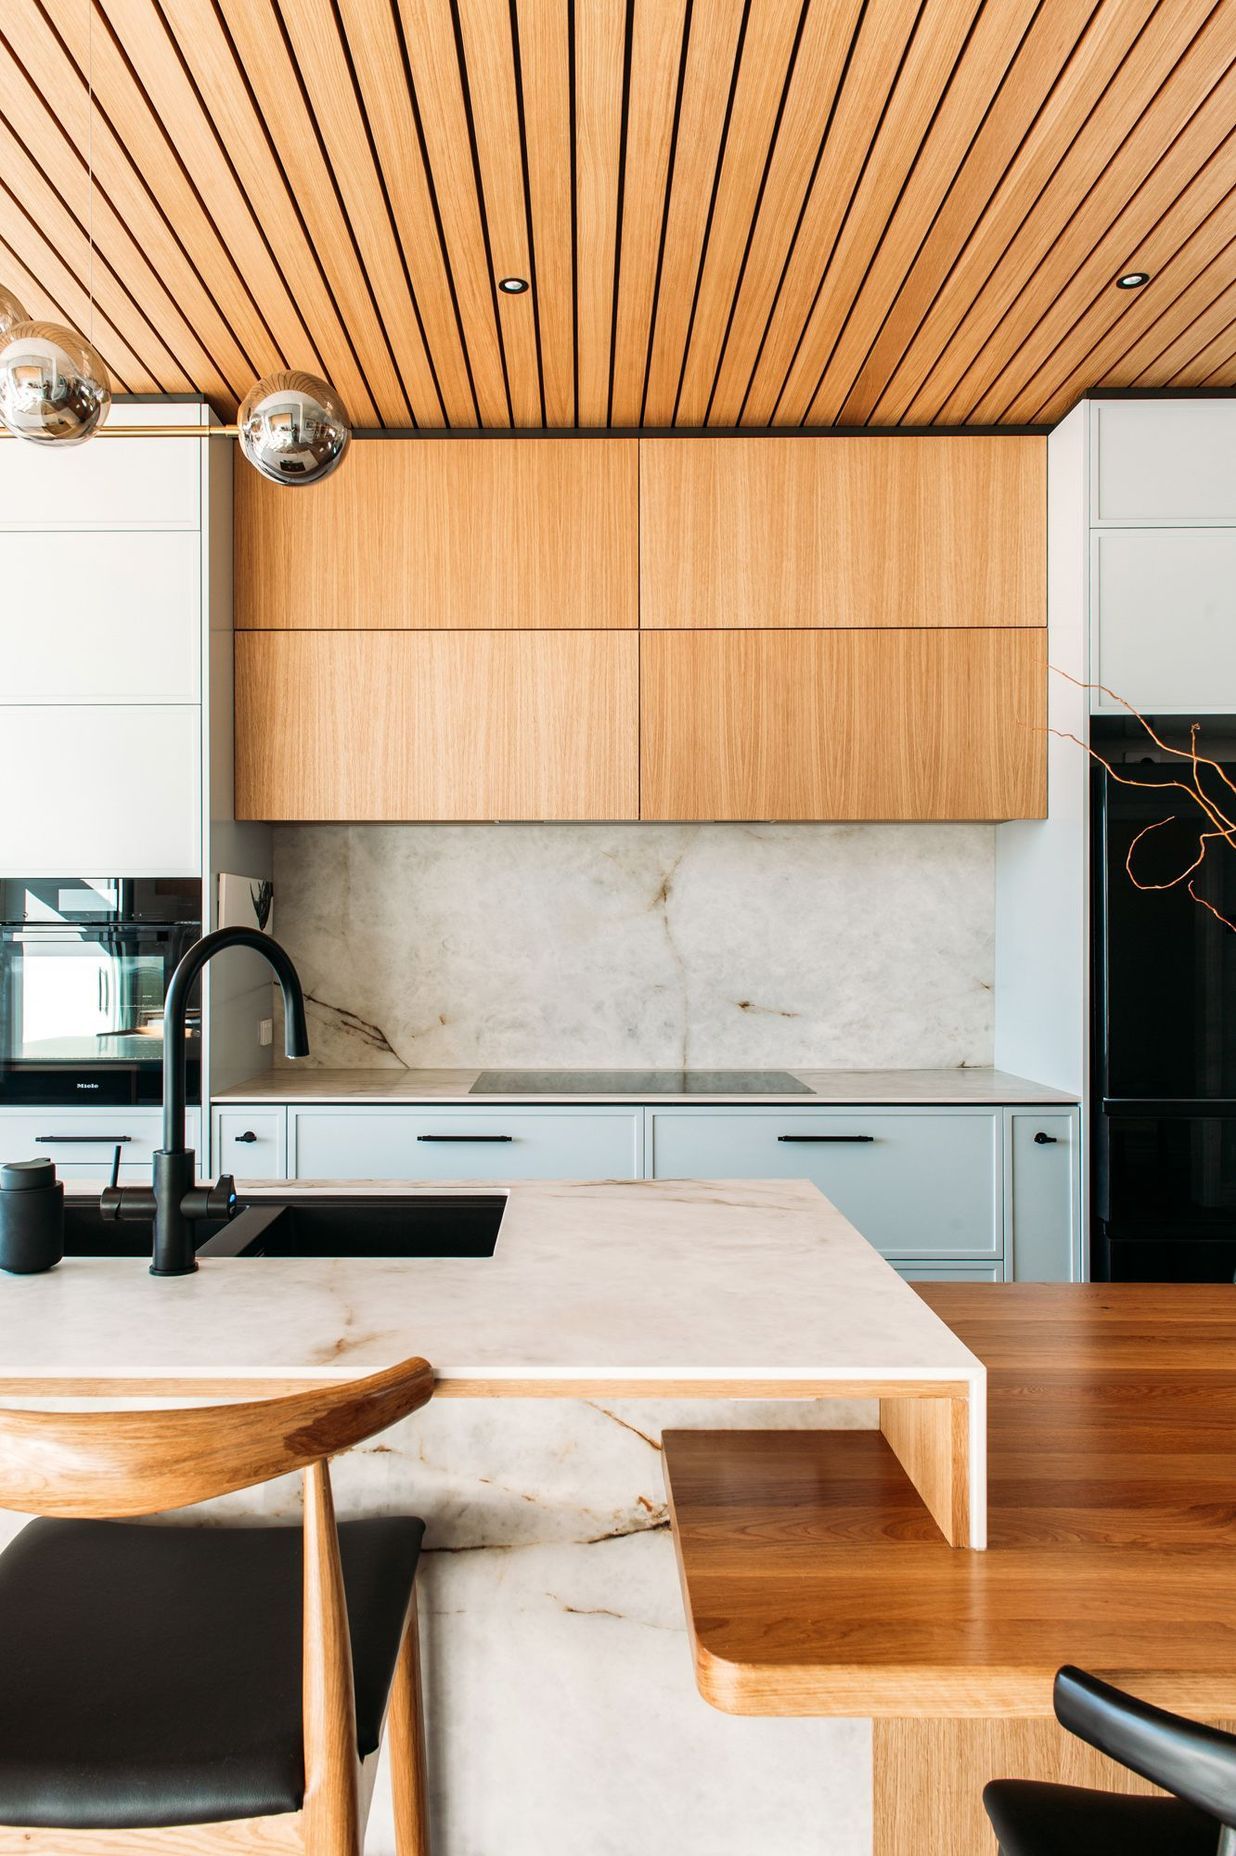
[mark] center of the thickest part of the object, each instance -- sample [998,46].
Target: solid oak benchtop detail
[815,1584]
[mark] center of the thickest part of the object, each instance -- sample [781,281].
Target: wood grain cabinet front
[854,532]
[446,534]
[437,725]
[898,725]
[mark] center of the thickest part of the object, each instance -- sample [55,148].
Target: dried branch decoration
[1217,814]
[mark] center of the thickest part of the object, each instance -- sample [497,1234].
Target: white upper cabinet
[97,787]
[1163,606]
[106,482]
[1170,460]
[98,617]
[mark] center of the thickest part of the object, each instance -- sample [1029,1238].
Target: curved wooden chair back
[112,1464]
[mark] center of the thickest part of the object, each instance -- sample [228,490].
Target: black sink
[363,1225]
[87,1233]
[311,1225]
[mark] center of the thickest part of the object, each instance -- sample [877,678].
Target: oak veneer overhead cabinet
[445,534]
[436,725]
[929,724]
[865,531]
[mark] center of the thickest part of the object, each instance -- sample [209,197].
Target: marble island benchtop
[716,1287]
[869,1088]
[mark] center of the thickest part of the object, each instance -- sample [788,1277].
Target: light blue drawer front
[950,1272]
[470,1143]
[915,1182]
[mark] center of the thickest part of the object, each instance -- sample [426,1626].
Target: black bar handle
[248,1137]
[465,1137]
[807,1139]
[1046,1140]
[79,1140]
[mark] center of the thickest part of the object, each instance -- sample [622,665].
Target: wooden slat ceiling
[731,212]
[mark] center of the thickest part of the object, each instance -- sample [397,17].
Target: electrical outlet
[266,1031]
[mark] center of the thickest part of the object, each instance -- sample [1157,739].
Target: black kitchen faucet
[174,1200]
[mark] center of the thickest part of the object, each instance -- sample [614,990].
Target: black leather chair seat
[152,1674]
[1032,1819]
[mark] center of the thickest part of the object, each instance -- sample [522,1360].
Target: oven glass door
[79,995]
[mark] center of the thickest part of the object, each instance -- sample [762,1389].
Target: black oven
[84,966]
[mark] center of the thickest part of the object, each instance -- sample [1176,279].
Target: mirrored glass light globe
[293,428]
[11,311]
[54,387]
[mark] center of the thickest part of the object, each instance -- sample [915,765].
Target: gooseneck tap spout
[175,1201]
[175,1014]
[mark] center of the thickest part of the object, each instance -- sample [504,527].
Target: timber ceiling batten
[729,212]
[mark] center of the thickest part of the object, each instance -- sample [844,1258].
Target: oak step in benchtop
[815,1584]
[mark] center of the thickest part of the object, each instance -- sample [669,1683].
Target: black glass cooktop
[637,1083]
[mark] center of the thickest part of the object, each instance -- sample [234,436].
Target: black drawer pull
[248,1137]
[1046,1140]
[807,1139]
[465,1137]
[80,1140]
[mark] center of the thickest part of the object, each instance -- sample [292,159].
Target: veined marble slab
[562,1714]
[748,1282]
[864,1088]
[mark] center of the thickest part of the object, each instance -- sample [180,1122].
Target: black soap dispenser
[31,1216]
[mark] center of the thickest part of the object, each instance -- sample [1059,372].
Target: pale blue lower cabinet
[950,1272]
[916,1182]
[974,1193]
[251,1143]
[475,1142]
[1042,1195]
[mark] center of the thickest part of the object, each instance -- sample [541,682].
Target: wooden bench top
[815,1582]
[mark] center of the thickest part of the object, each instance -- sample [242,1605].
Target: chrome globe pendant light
[54,387]
[293,428]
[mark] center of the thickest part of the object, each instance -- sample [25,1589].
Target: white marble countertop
[714,1286]
[298,1084]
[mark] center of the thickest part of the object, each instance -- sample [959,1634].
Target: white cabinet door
[914,1182]
[108,482]
[105,789]
[93,617]
[1163,460]
[1163,604]
[471,1143]
[251,1143]
[1042,1196]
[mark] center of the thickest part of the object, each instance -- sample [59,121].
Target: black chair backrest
[1192,1761]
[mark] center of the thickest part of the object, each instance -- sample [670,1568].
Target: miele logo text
[87,1085]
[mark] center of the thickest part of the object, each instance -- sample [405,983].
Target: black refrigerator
[1164,1130]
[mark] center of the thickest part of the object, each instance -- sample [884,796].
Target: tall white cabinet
[101,648]
[1162,507]
[116,695]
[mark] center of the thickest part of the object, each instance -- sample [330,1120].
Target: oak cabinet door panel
[436,725]
[445,534]
[843,725]
[854,532]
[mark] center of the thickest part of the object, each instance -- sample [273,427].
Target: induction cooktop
[638,1083]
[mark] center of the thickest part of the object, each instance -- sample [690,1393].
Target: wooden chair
[168,1689]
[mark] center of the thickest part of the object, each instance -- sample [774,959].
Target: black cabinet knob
[248,1137]
[1045,1140]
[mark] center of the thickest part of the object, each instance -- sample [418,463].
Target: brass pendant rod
[157,431]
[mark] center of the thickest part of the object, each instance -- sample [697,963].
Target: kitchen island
[561,1707]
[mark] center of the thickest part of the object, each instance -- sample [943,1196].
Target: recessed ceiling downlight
[513,286]
[1133,280]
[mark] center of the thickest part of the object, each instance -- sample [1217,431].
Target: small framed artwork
[246,902]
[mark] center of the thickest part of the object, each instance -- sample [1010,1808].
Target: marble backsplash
[659,946]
